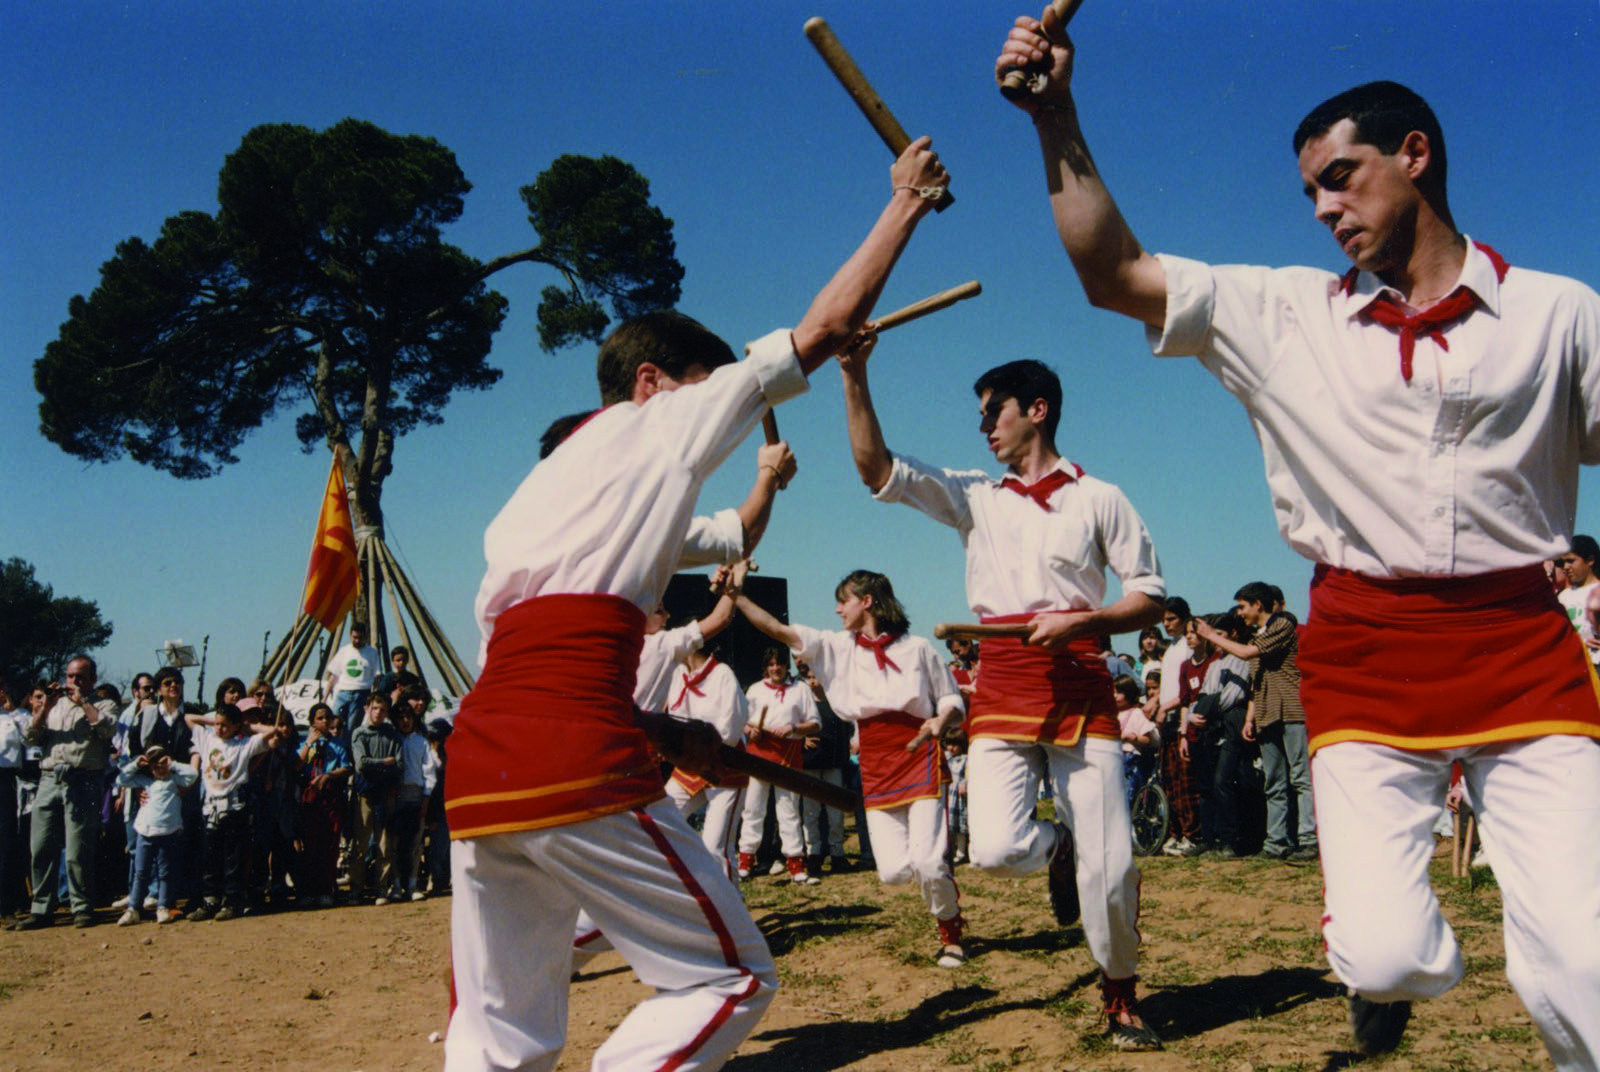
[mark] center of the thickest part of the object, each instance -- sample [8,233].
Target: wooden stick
[855,83]
[1455,847]
[796,781]
[769,426]
[931,304]
[981,630]
[1028,80]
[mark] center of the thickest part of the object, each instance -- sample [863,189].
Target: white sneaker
[801,878]
[1181,847]
[778,867]
[129,917]
[150,904]
[168,915]
[418,895]
[120,902]
[380,900]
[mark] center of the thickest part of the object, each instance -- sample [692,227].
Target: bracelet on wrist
[927,193]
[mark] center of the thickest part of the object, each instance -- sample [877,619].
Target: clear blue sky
[117,116]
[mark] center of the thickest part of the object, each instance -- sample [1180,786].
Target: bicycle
[1149,815]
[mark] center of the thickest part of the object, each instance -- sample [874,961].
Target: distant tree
[323,284]
[40,631]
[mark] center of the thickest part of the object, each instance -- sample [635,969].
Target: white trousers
[1538,808]
[811,820]
[753,822]
[663,901]
[908,843]
[722,809]
[1086,780]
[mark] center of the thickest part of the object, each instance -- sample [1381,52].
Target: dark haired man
[1038,542]
[554,801]
[1422,418]
[1277,720]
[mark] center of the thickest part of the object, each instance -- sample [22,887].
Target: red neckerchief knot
[876,645]
[779,689]
[1041,490]
[691,683]
[1432,320]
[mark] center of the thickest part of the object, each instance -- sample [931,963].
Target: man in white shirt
[349,679]
[1422,418]
[13,858]
[554,800]
[1038,543]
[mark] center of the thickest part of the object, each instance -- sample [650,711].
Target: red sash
[1027,693]
[785,750]
[891,776]
[1442,662]
[547,737]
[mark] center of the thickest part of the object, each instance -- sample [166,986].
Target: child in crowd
[224,746]
[436,854]
[1140,737]
[158,828]
[412,795]
[325,769]
[955,793]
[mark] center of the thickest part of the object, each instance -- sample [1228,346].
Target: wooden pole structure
[444,656]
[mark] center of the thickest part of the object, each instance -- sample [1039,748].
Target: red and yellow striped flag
[332,577]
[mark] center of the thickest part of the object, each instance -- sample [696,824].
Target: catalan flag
[332,575]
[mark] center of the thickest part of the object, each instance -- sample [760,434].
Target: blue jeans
[1286,765]
[351,707]
[156,858]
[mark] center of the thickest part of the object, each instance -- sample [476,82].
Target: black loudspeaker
[689,598]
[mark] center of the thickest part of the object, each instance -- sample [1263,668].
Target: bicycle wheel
[1149,818]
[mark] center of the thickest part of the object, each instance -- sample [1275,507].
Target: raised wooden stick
[1025,80]
[855,83]
[931,304]
[981,630]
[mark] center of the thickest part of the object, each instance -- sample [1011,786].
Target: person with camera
[75,733]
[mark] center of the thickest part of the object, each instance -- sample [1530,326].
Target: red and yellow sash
[1442,662]
[1035,694]
[891,776]
[547,737]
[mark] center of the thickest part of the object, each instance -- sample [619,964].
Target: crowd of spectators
[167,809]
[171,810]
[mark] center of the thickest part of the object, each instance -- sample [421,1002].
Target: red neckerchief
[1041,490]
[876,646]
[1431,321]
[692,683]
[779,689]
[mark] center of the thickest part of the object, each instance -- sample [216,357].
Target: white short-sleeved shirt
[1172,661]
[659,663]
[609,511]
[720,701]
[1023,559]
[1575,601]
[353,668]
[857,688]
[771,711]
[1469,468]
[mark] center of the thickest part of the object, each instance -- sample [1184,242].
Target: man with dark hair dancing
[1422,418]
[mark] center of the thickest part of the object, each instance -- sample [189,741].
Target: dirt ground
[1234,980]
